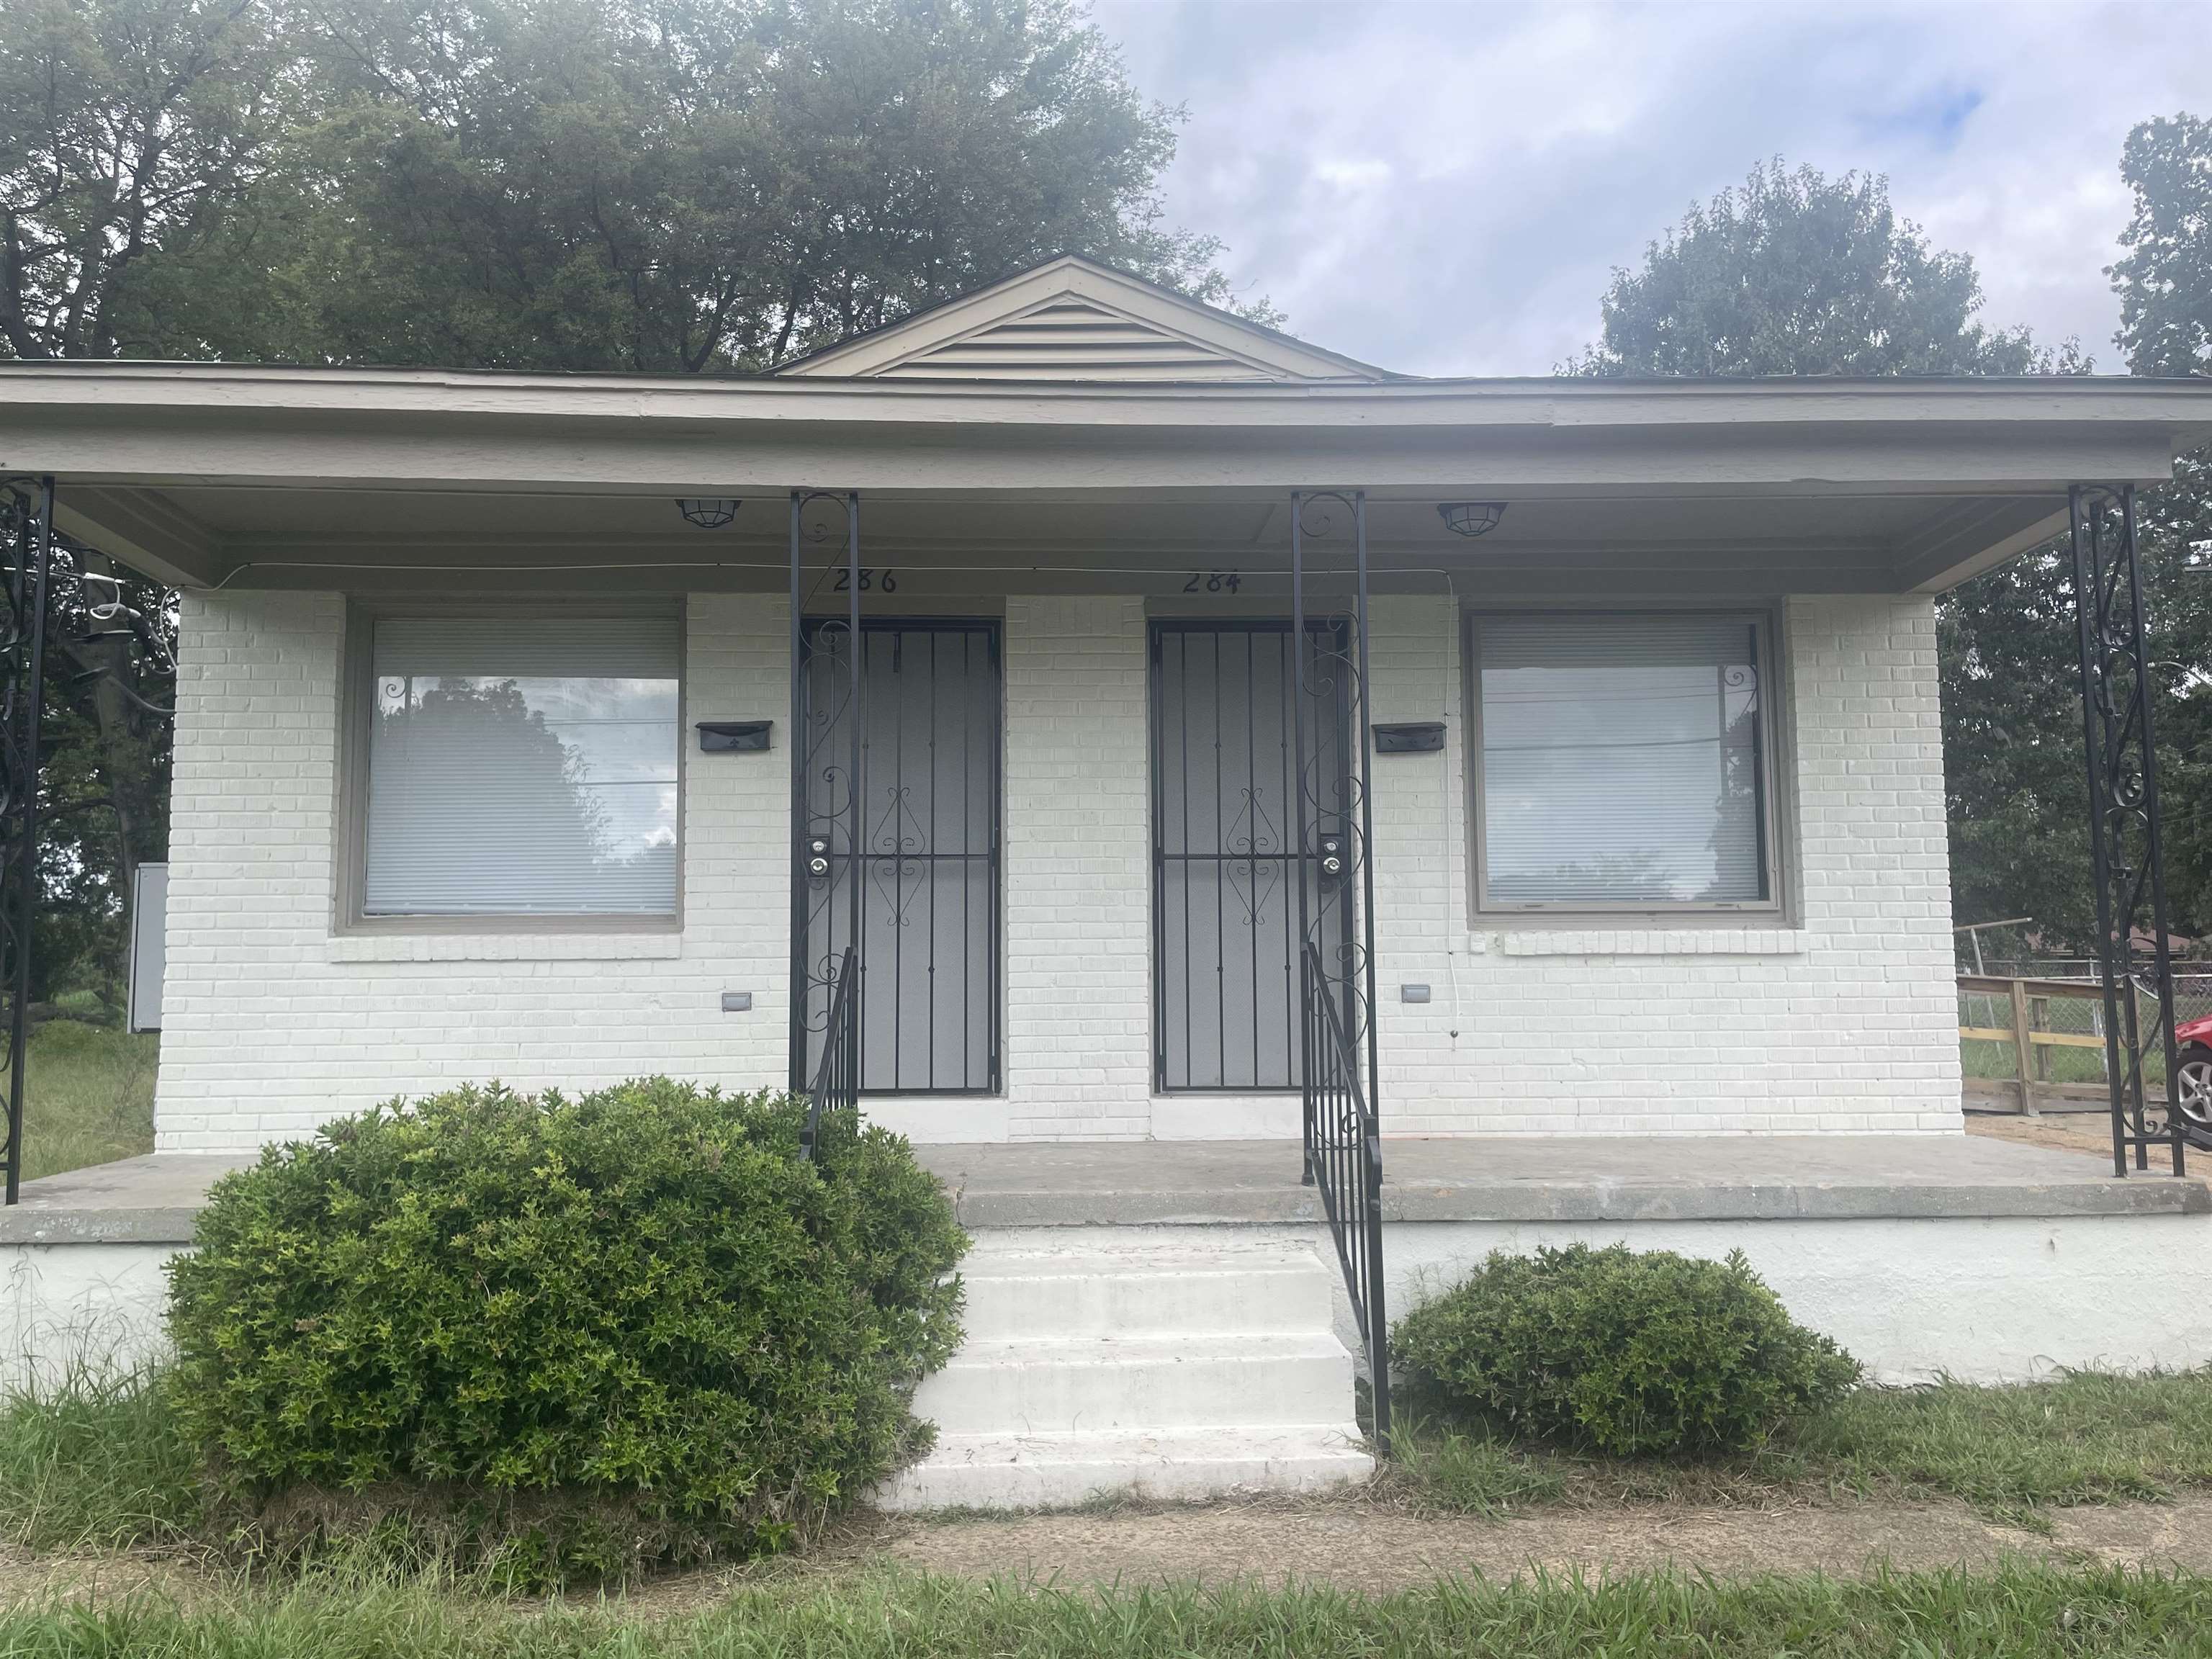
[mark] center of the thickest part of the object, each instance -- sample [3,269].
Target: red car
[2193,1039]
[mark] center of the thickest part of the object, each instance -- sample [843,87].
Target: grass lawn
[2011,1452]
[2019,1612]
[101,1465]
[88,1096]
[99,1470]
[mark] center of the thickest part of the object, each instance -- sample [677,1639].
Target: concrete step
[1067,1385]
[1104,1292]
[1057,1471]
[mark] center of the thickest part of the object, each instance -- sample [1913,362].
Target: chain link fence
[2075,1020]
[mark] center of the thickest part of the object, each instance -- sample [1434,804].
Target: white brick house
[1677,866]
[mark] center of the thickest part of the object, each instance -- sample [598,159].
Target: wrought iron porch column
[825,826]
[2126,859]
[22,679]
[1340,1084]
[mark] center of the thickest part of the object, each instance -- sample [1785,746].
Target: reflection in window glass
[1621,760]
[522,767]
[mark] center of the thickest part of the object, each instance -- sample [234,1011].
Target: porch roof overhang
[203,474]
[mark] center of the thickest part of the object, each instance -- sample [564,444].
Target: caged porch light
[1471,518]
[708,511]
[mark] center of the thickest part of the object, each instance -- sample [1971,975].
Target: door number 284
[1212,581]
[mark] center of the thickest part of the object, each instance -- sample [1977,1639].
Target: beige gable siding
[1073,339]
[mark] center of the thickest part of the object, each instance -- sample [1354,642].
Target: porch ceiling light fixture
[1471,518]
[708,511]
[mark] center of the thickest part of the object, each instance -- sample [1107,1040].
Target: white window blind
[522,767]
[1622,762]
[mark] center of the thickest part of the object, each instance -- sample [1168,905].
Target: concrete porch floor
[155,1198]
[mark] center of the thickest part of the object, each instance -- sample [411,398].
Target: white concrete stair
[1173,1362]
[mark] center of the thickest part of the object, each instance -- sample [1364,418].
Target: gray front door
[1226,792]
[927,827]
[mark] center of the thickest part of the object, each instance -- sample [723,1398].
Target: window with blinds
[1622,761]
[522,767]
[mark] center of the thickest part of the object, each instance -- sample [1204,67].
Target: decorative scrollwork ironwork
[2126,859]
[1335,835]
[826,825]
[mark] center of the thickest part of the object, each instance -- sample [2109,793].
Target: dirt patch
[1380,1550]
[1347,1543]
[2063,1132]
[27,1576]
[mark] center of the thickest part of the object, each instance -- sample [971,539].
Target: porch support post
[826,810]
[2125,857]
[1301,841]
[802,857]
[1340,1084]
[856,834]
[22,679]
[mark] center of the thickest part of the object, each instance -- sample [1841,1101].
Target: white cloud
[1445,188]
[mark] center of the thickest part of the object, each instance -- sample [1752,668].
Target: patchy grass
[92,1463]
[2011,1452]
[1982,1057]
[2018,1611]
[87,1097]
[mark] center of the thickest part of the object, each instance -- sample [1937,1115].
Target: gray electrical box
[150,918]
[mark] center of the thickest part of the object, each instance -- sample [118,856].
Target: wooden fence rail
[2032,1091]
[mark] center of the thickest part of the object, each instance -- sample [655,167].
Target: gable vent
[1073,340]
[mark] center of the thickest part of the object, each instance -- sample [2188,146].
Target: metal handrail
[836,1085]
[1344,1156]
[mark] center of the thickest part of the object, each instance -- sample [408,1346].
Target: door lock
[1332,858]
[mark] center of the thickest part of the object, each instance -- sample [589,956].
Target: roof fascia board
[90,392]
[688,457]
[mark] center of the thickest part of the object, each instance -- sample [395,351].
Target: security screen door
[1226,937]
[928,828]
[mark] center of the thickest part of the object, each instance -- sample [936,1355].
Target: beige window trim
[357,699]
[1565,915]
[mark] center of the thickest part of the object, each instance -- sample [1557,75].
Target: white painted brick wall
[1077,870]
[272,1027]
[1843,1022]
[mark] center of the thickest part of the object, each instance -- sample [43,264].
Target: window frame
[1773,798]
[357,705]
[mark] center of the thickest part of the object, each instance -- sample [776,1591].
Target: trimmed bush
[564,1336]
[1622,1352]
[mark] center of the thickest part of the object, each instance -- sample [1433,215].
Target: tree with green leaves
[603,184]
[129,129]
[1798,273]
[2164,280]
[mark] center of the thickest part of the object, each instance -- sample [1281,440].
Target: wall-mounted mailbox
[733,737]
[1410,737]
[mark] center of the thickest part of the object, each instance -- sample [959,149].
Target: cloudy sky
[1442,187]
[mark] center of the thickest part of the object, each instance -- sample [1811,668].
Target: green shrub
[1622,1352]
[563,1336]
